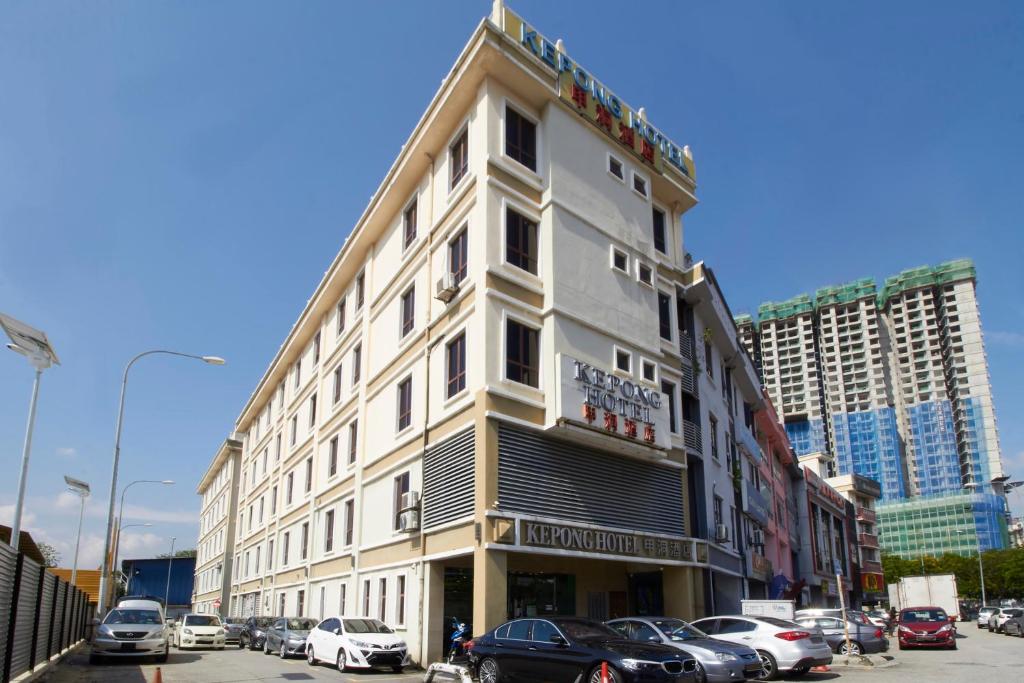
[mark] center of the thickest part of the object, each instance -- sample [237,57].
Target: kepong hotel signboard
[599,105]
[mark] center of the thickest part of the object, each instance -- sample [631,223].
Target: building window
[639,184]
[341,598]
[520,241]
[289,488]
[718,513]
[360,290]
[408,310]
[304,546]
[708,364]
[340,317]
[713,424]
[401,487]
[520,138]
[357,361]
[649,371]
[301,602]
[270,555]
[665,316]
[294,430]
[623,361]
[309,473]
[273,501]
[456,366]
[382,599]
[615,167]
[298,373]
[259,515]
[409,221]
[323,595]
[332,457]
[316,349]
[329,531]
[660,243]
[458,256]
[644,274]
[353,437]
[284,548]
[669,390]
[521,353]
[404,403]
[337,384]
[277,448]
[620,261]
[350,522]
[312,411]
[366,597]
[459,158]
[400,616]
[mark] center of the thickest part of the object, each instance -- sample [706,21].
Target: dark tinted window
[200,620]
[658,217]
[521,354]
[583,630]
[645,632]
[328,625]
[519,630]
[542,631]
[520,241]
[366,626]
[709,626]
[734,626]
[520,139]
[501,631]
[622,627]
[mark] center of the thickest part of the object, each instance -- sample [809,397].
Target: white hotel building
[421,446]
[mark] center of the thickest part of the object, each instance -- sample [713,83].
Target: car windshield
[201,620]
[587,630]
[366,626]
[300,624]
[132,616]
[263,622]
[923,615]
[678,630]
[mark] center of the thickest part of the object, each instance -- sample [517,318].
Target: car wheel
[699,674]
[343,660]
[310,659]
[266,646]
[282,653]
[613,675]
[769,667]
[854,648]
[952,645]
[241,643]
[489,671]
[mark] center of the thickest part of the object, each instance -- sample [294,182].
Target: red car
[926,627]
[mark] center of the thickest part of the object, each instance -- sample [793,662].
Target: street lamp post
[81,489]
[120,511]
[101,602]
[34,345]
[170,559]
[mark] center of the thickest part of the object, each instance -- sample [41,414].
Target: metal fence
[40,615]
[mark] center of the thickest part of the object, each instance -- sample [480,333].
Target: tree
[51,557]
[185,552]
[1004,571]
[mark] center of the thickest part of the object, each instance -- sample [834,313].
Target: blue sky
[179,175]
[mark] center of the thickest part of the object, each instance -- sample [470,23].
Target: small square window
[620,261]
[623,360]
[615,168]
[649,371]
[640,184]
[645,274]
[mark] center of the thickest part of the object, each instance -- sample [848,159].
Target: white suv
[360,643]
[135,628]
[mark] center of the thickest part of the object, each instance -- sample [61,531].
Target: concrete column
[681,591]
[490,589]
[434,635]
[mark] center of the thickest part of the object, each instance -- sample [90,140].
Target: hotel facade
[512,393]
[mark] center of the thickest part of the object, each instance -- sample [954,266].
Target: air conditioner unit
[446,288]
[409,521]
[410,500]
[721,533]
[757,537]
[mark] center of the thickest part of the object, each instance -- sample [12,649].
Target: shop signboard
[567,537]
[757,505]
[599,399]
[873,583]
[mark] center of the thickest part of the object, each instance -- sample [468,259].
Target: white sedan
[360,643]
[199,630]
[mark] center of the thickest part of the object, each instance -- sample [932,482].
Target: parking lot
[982,656]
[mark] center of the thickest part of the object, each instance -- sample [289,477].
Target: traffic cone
[159,677]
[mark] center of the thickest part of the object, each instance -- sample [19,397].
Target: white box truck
[936,590]
[780,609]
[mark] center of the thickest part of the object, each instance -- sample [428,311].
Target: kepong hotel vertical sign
[599,105]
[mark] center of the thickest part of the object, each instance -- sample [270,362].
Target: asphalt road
[981,657]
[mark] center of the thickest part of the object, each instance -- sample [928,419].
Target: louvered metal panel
[55,644]
[8,565]
[448,480]
[541,476]
[25,619]
[65,626]
[45,613]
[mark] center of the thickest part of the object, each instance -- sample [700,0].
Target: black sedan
[254,632]
[566,649]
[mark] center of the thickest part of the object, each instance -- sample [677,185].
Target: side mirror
[653,639]
[558,640]
[95,621]
[337,631]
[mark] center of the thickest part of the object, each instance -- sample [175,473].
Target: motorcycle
[461,634]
